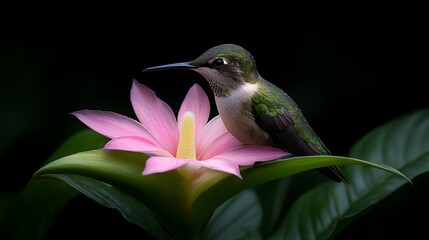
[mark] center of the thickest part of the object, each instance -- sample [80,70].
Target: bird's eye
[218,62]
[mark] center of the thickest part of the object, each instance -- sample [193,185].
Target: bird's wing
[277,114]
[281,118]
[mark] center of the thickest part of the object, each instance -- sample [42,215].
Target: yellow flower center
[186,148]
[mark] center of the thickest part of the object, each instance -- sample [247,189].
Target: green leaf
[183,210]
[208,200]
[111,197]
[238,218]
[29,213]
[164,194]
[402,143]
[273,196]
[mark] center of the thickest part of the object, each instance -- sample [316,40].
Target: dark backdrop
[348,80]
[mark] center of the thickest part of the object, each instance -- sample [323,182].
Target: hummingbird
[254,110]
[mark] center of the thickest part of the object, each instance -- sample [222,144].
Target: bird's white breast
[235,111]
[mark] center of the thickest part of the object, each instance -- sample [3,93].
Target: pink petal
[247,155]
[197,102]
[215,139]
[156,116]
[112,125]
[136,144]
[222,165]
[162,164]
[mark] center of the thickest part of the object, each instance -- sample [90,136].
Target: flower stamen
[186,147]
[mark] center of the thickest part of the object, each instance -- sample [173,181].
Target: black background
[348,77]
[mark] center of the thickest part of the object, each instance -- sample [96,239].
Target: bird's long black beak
[182,65]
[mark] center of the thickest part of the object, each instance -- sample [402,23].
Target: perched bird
[254,110]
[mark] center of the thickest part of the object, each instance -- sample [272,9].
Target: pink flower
[190,140]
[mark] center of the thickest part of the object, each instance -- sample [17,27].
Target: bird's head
[225,67]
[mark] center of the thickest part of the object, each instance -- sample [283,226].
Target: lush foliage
[262,204]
